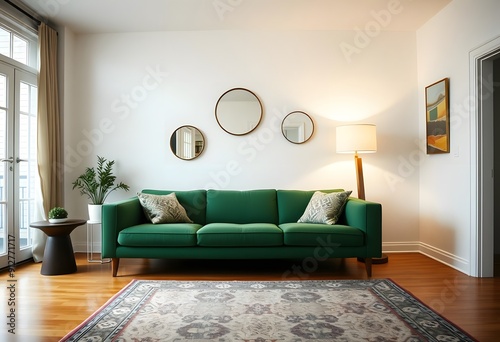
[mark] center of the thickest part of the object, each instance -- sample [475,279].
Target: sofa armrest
[366,216]
[115,217]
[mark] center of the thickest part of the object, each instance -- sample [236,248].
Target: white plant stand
[90,243]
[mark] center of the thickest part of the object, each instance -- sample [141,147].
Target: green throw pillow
[163,208]
[325,207]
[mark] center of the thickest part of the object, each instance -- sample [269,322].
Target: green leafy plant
[58,213]
[98,183]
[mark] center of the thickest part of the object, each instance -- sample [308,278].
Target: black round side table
[58,257]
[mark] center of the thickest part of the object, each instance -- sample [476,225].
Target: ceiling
[99,16]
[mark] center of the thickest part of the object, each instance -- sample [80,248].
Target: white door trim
[481,142]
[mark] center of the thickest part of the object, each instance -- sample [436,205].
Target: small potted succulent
[58,215]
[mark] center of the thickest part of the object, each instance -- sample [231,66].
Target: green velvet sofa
[233,224]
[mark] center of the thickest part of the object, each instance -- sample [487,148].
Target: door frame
[15,253]
[481,142]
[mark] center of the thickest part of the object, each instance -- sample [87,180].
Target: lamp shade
[357,138]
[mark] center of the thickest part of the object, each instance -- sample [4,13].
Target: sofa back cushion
[235,206]
[193,201]
[293,203]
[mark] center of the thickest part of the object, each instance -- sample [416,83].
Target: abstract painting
[437,105]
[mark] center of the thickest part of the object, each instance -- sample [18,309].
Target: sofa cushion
[325,208]
[159,235]
[163,208]
[233,206]
[314,234]
[293,203]
[193,201]
[240,235]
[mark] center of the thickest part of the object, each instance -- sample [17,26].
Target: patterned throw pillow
[163,208]
[325,207]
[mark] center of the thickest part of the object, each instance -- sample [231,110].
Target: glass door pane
[18,164]
[3,119]
[6,117]
[25,164]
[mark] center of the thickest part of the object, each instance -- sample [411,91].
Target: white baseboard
[456,262]
[401,247]
[449,259]
[82,247]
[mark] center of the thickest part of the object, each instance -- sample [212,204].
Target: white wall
[130,91]
[443,47]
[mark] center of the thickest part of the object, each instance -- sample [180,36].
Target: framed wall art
[437,117]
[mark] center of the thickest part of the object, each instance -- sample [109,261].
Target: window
[18,38]
[14,46]
[187,143]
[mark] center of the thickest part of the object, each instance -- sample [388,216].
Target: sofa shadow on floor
[285,269]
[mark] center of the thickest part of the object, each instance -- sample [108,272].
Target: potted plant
[97,183]
[58,215]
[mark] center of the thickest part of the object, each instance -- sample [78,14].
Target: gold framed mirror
[187,142]
[238,111]
[297,127]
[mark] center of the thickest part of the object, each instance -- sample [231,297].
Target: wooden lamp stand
[358,162]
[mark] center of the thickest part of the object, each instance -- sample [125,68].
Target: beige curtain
[48,130]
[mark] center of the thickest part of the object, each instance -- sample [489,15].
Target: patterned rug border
[401,288]
[127,287]
[134,283]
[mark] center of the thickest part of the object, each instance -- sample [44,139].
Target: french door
[18,166]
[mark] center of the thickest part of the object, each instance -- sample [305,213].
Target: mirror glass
[238,111]
[297,127]
[187,142]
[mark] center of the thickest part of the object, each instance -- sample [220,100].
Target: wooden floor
[48,307]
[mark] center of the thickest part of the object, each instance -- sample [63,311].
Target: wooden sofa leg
[368,266]
[115,262]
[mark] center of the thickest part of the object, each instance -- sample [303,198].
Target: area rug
[265,311]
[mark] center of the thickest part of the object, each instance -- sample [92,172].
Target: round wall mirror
[297,127]
[238,111]
[187,142]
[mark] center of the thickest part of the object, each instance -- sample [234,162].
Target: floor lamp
[359,138]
